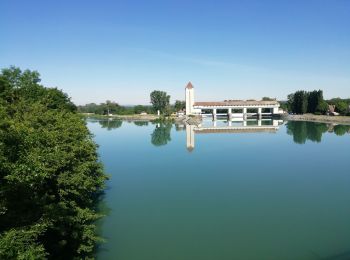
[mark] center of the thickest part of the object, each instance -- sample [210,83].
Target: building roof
[189,85]
[237,103]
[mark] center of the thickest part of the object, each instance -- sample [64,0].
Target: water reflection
[303,131]
[141,123]
[161,134]
[234,126]
[341,129]
[110,124]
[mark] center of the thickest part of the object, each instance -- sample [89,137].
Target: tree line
[160,101]
[111,107]
[50,175]
[302,102]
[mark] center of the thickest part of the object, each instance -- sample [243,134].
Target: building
[230,108]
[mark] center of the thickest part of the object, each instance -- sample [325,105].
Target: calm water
[275,192]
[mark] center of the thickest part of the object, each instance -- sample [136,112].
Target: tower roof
[189,85]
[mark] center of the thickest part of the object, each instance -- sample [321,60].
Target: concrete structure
[230,107]
[190,110]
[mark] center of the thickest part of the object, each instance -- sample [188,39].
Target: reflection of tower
[189,98]
[190,137]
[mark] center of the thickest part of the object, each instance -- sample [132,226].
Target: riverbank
[319,118]
[148,117]
[189,120]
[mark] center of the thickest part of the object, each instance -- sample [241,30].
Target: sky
[122,50]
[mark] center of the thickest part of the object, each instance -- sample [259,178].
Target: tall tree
[160,100]
[315,99]
[180,105]
[300,102]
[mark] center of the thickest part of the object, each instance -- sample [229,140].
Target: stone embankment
[319,118]
[189,120]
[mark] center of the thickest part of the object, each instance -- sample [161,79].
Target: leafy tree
[56,99]
[322,108]
[139,109]
[179,105]
[50,176]
[301,102]
[341,107]
[160,101]
[315,99]
[268,99]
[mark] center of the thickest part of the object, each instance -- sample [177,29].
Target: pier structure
[230,108]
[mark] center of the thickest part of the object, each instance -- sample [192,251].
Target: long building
[231,108]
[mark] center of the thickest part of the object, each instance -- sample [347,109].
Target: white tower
[189,98]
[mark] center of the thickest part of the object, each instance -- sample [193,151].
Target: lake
[244,190]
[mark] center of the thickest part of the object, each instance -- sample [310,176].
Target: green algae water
[253,190]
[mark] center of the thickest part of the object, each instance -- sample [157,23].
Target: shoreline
[345,120]
[123,117]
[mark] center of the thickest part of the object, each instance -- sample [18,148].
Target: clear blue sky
[122,50]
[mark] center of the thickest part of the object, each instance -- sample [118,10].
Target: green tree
[298,102]
[180,105]
[315,99]
[322,108]
[301,102]
[139,109]
[160,101]
[50,176]
[268,99]
[341,107]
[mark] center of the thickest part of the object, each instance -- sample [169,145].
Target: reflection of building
[255,126]
[190,137]
[230,108]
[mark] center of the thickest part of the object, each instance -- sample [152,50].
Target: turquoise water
[276,194]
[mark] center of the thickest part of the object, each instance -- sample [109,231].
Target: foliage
[341,105]
[268,99]
[180,105]
[322,108]
[160,101]
[50,176]
[113,108]
[302,102]
[315,100]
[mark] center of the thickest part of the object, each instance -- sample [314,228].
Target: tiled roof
[237,103]
[189,85]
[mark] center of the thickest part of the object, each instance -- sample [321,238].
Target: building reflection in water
[234,126]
